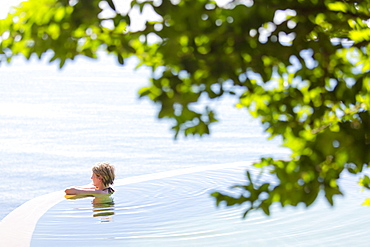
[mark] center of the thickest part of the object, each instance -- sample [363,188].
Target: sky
[138,22]
[5,6]
[122,6]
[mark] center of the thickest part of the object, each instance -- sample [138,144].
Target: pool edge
[18,226]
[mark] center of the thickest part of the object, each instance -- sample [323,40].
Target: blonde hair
[105,171]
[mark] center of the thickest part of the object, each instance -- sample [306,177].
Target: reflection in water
[103,205]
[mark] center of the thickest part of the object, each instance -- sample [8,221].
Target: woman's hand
[71,191]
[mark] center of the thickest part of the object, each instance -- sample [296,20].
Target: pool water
[178,211]
[103,205]
[174,210]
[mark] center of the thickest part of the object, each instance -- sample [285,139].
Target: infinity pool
[177,210]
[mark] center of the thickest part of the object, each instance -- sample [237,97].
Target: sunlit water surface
[178,211]
[56,124]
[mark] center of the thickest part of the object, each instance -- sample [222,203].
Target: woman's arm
[83,191]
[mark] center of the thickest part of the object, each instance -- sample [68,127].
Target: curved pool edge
[18,226]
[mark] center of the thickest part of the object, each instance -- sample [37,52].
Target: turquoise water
[56,124]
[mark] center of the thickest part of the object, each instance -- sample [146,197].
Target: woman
[102,178]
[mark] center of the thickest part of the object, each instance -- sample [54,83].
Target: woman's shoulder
[109,190]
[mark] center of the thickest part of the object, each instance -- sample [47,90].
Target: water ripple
[178,211]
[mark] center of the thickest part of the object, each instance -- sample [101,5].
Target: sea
[57,123]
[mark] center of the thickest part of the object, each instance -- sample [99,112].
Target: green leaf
[120,59]
[365,182]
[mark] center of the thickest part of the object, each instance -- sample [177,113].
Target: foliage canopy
[300,66]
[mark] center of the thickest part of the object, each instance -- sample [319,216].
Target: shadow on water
[103,205]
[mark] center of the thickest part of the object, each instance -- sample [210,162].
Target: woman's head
[105,172]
